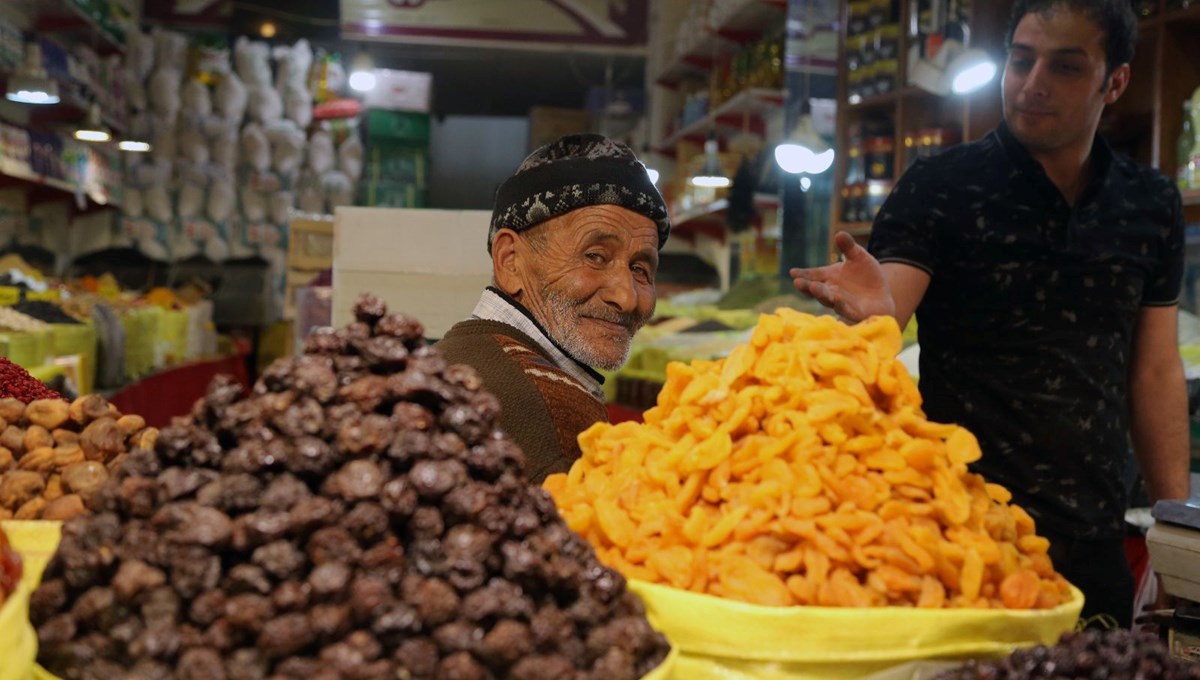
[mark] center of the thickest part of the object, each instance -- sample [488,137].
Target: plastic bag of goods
[789,512]
[357,514]
[18,643]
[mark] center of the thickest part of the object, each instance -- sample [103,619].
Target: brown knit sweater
[543,407]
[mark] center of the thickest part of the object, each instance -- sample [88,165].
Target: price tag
[9,295]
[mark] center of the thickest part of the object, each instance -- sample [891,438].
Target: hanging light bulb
[712,174]
[362,72]
[970,70]
[805,151]
[30,84]
[93,128]
[133,146]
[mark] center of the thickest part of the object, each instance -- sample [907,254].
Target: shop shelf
[888,98]
[68,19]
[21,173]
[753,102]
[749,21]
[710,217]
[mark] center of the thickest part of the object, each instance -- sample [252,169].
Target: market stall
[229,448]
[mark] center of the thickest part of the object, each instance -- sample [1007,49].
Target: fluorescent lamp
[805,152]
[30,84]
[711,181]
[133,146]
[970,70]
[96,136]
[711,175]
[93,128]
[362,72]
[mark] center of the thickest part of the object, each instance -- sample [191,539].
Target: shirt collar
[496,305]
[1101,156]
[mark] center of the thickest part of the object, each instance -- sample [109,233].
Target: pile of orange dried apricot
[800,470]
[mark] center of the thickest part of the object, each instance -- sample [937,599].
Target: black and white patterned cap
[573,172]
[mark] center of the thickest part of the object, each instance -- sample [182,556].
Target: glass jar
[879,156]
[859,14]
[887,41]
[886,72]
[876,193]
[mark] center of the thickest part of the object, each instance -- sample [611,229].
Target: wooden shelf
[747,22]
[1191,197]
[71,108]
[855,229]
[66,18]
[751,102]
[886,99]
[1190,15]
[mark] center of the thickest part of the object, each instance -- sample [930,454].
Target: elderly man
[574,240]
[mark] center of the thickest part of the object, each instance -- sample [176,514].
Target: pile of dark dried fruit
[1088,655]
[358,517]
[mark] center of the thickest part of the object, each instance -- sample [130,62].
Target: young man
[574,240]
[1044,271]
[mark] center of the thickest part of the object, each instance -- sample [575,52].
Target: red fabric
[172,392]
[1138,556]
[620,414]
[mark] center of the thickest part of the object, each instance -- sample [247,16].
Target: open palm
[855,288]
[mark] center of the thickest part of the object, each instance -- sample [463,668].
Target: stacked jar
[872,48]
[928,142]
[870,169]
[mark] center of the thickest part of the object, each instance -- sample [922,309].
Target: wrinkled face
[588,277]
[1055,82]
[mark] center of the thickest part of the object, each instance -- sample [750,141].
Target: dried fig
[47,413]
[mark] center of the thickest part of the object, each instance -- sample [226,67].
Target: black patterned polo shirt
[1027,326]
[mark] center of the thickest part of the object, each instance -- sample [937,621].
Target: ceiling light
[362,72]
[970,70]
[805,151]
[267,30]
[712,175]
[133,146]
[955,68]
[30,84]
[93,128]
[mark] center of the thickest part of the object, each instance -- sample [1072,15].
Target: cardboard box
[432,264]
[1175,557]
[310,244]
[401,91]
[548,123]
[396,162]
[402,126]
[394,195]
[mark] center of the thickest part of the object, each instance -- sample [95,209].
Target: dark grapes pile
[357,517]
[1089,655]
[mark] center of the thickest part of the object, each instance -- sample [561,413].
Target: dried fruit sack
[800,470]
